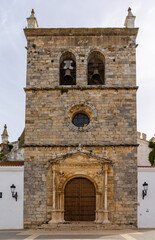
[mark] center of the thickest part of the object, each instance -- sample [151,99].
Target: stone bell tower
[80,129]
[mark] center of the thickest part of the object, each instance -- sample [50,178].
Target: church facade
[80,129]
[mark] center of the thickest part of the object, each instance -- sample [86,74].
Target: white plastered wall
[11,211]
[146,206]
[143,152]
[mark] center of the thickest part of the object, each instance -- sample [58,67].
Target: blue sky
[67,13]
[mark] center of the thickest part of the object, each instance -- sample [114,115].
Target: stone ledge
[80,88]
[84,145]
[81,32]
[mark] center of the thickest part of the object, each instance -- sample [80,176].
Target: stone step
[72,226]
[69,226]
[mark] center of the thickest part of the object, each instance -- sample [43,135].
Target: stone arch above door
[80,176]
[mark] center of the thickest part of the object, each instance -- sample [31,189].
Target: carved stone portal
[78,165]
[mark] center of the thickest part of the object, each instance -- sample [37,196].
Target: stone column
[53,189]
[99,207]
[105,193]
[99,198]
[57,212]
[54,217]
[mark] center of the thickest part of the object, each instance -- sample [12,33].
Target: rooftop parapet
[143,136]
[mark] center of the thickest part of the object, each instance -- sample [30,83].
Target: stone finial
[152,139]
[130,20]
[5,135]
[32,21]
[144,136]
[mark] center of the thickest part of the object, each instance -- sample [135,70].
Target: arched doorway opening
[79,200]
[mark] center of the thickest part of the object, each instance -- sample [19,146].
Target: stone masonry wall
[111,108]
[44,53]
[125,182]
[122,190]
[112,112]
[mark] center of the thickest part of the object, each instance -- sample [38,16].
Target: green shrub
[151,145]
[34,46]
[152,153]
[1,156]
[64,90]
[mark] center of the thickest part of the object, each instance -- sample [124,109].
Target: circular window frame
[84,108]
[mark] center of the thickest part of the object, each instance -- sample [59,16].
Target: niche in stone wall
[96,68]
[67,69]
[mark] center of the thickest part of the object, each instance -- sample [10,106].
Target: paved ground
[96,235]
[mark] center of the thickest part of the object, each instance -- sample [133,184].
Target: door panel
[80,200]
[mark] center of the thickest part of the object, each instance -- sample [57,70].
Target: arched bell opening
[79,200]
[96,68]
[68,69]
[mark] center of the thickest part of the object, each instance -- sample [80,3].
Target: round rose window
[80,120]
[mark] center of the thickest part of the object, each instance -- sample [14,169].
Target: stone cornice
[82,145]
[80,88]
[100,157]
[80,32]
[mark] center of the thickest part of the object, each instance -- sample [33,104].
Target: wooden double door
[80,200]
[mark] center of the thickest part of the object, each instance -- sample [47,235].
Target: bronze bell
[68,76]
[96,75]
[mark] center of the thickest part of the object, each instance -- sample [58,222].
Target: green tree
[152,153]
